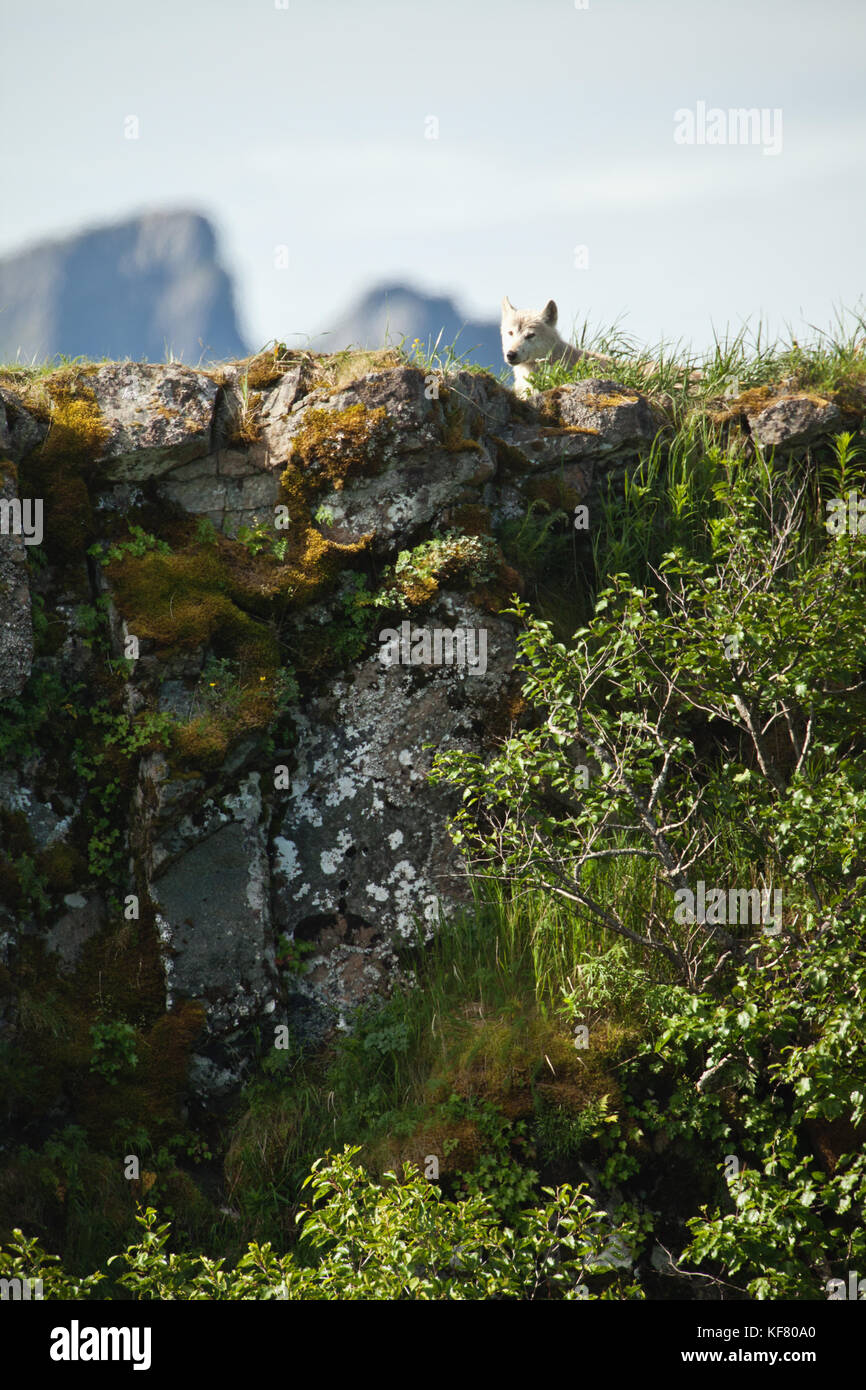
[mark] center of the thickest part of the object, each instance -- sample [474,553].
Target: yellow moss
[203,742]
[510,1059]
[419,589]
[334,445]
[454,425]
[176,600]
[759,398]
[59,469]
[614,398]
[339,369]
[245,428]
[165,1053]
[77,432]
[63,866]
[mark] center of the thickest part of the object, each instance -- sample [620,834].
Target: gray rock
[794,420]
[46,826]
[394,506]
[176,698]
[355,854]
[85,919]
[413,421]
[226,488]
[19,430]
[419,477]
[156,416]
[615,417]
[361,853]
[276,410]
[208,1081]
[213,917]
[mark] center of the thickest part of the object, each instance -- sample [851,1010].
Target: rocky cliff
[241,609]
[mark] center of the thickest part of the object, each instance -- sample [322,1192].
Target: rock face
[264,597]
[360,859]
[155,418]
[212,902]
[794,420]
[138,289]
[229,723]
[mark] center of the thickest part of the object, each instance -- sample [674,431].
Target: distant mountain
[140,289]
[389,312]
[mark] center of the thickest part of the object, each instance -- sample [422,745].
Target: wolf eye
[529,335]
[511,332]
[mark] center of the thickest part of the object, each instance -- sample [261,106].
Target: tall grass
[739,361]
[666,501]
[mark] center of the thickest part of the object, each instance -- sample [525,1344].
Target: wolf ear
[549,313]
[507,306]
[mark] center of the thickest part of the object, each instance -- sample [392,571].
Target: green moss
[15,833]
[470,518]
[179,601]
[453,560]
[456,1141]
[512,1058]
[456,436]
[555,493]
[509,458]
[63,866]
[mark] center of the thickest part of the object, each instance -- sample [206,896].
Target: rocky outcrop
[360,861]
[267,594]
[794,420]
[155,418]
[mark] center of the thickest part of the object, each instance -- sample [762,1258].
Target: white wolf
[528,336]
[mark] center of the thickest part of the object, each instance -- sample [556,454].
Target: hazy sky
[304,125]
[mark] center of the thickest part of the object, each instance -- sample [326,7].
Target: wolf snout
[511,356]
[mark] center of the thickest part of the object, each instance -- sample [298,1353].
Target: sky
[477,148]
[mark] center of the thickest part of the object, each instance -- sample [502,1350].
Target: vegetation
[593,1083]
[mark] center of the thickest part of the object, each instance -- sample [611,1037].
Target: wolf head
[527,336]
